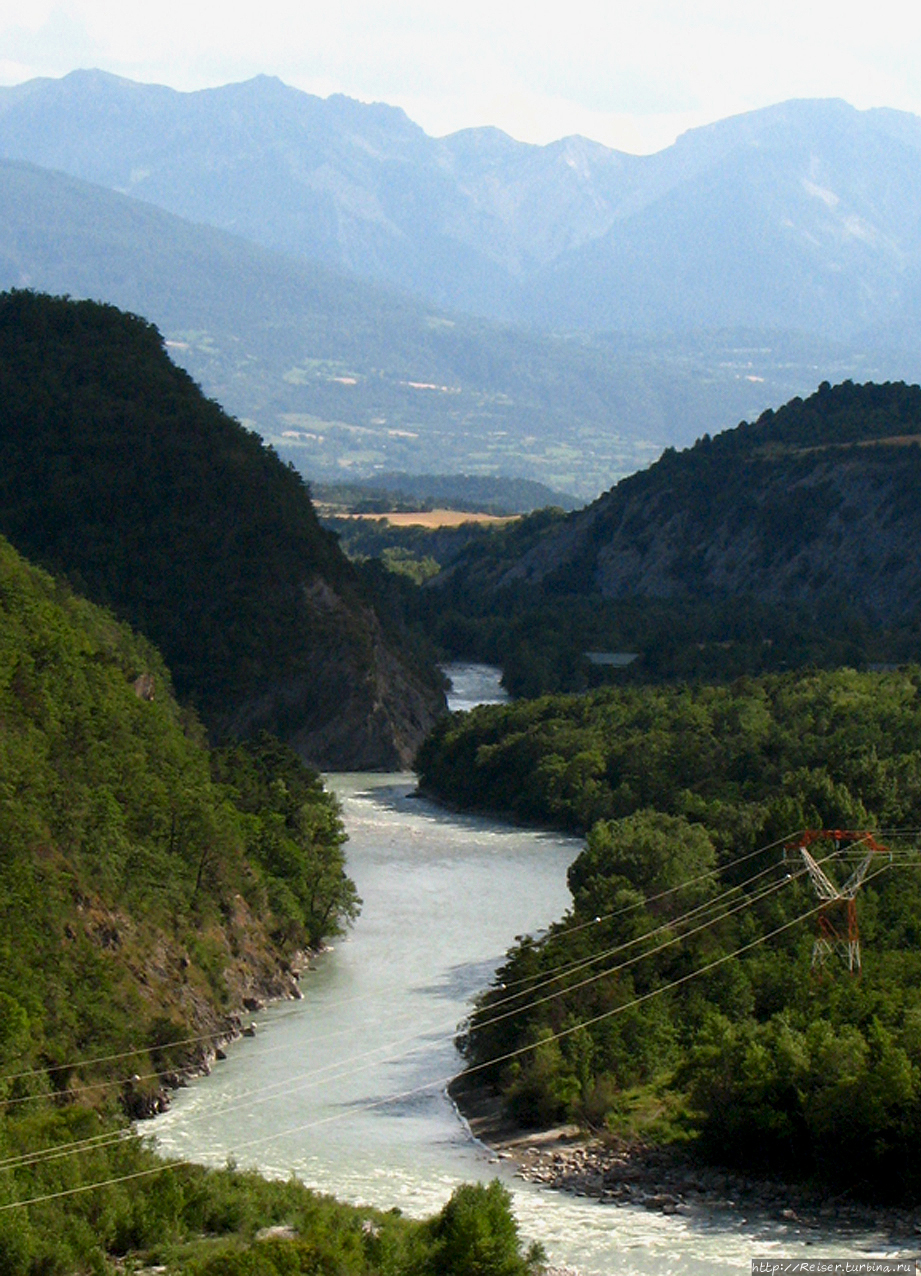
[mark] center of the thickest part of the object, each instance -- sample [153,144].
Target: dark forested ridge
[118,473]
[817,497]
[676,1000]
[791,539]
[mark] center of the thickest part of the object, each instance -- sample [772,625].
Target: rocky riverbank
[669,1179]
[145,1097]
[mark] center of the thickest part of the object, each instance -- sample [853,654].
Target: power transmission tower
[836,923]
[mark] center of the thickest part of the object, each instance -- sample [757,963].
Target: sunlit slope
[140,903]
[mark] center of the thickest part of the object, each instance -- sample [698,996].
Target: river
[345,1088]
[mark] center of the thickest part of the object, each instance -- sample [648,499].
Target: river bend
[345,1088]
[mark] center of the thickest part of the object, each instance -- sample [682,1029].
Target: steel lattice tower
[836,924]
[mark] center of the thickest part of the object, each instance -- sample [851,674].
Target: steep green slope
[116,471]
[146,887]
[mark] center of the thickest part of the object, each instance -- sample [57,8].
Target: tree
[649,852]
[476,1235]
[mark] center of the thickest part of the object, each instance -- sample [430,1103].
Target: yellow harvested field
[435,518]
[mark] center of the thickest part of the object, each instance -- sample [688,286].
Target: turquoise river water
[346,1088]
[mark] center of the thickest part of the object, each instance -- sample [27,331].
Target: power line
[440,1083]
[581,963]
[221,1035]
[562,928]
[111,1058]
[311,1079]
[477,1026]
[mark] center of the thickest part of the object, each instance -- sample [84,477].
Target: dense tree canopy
[116,838]
[676,998]
[147,885]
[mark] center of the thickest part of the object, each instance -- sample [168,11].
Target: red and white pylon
[837,917]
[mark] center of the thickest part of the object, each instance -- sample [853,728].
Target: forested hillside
[149,890]
[790,539]
[817,497]
[116,472]
[148,886]
[676,999]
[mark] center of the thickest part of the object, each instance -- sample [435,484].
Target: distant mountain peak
[734,225]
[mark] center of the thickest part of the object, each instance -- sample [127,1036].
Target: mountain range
[800,215]
[349,378]
[310,263]
[346,375]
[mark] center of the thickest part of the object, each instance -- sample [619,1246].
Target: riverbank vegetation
[542,642]
[147,883]
[149,887]
[100,1202]
[676,1000]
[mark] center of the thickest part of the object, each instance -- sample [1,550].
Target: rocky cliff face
[827,525]
[822,498]
[360,708]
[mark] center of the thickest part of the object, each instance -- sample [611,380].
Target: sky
[631,75]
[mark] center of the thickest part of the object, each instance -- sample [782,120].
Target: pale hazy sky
[630,74]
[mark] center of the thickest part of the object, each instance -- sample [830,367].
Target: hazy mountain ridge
[345,373]
[798,214]
[359,187]
[801,214]
[330,366]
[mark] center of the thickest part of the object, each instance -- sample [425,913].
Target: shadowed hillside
[118,473]
[818,498]
[792,540]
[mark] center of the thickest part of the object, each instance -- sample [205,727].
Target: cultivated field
[433,518]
